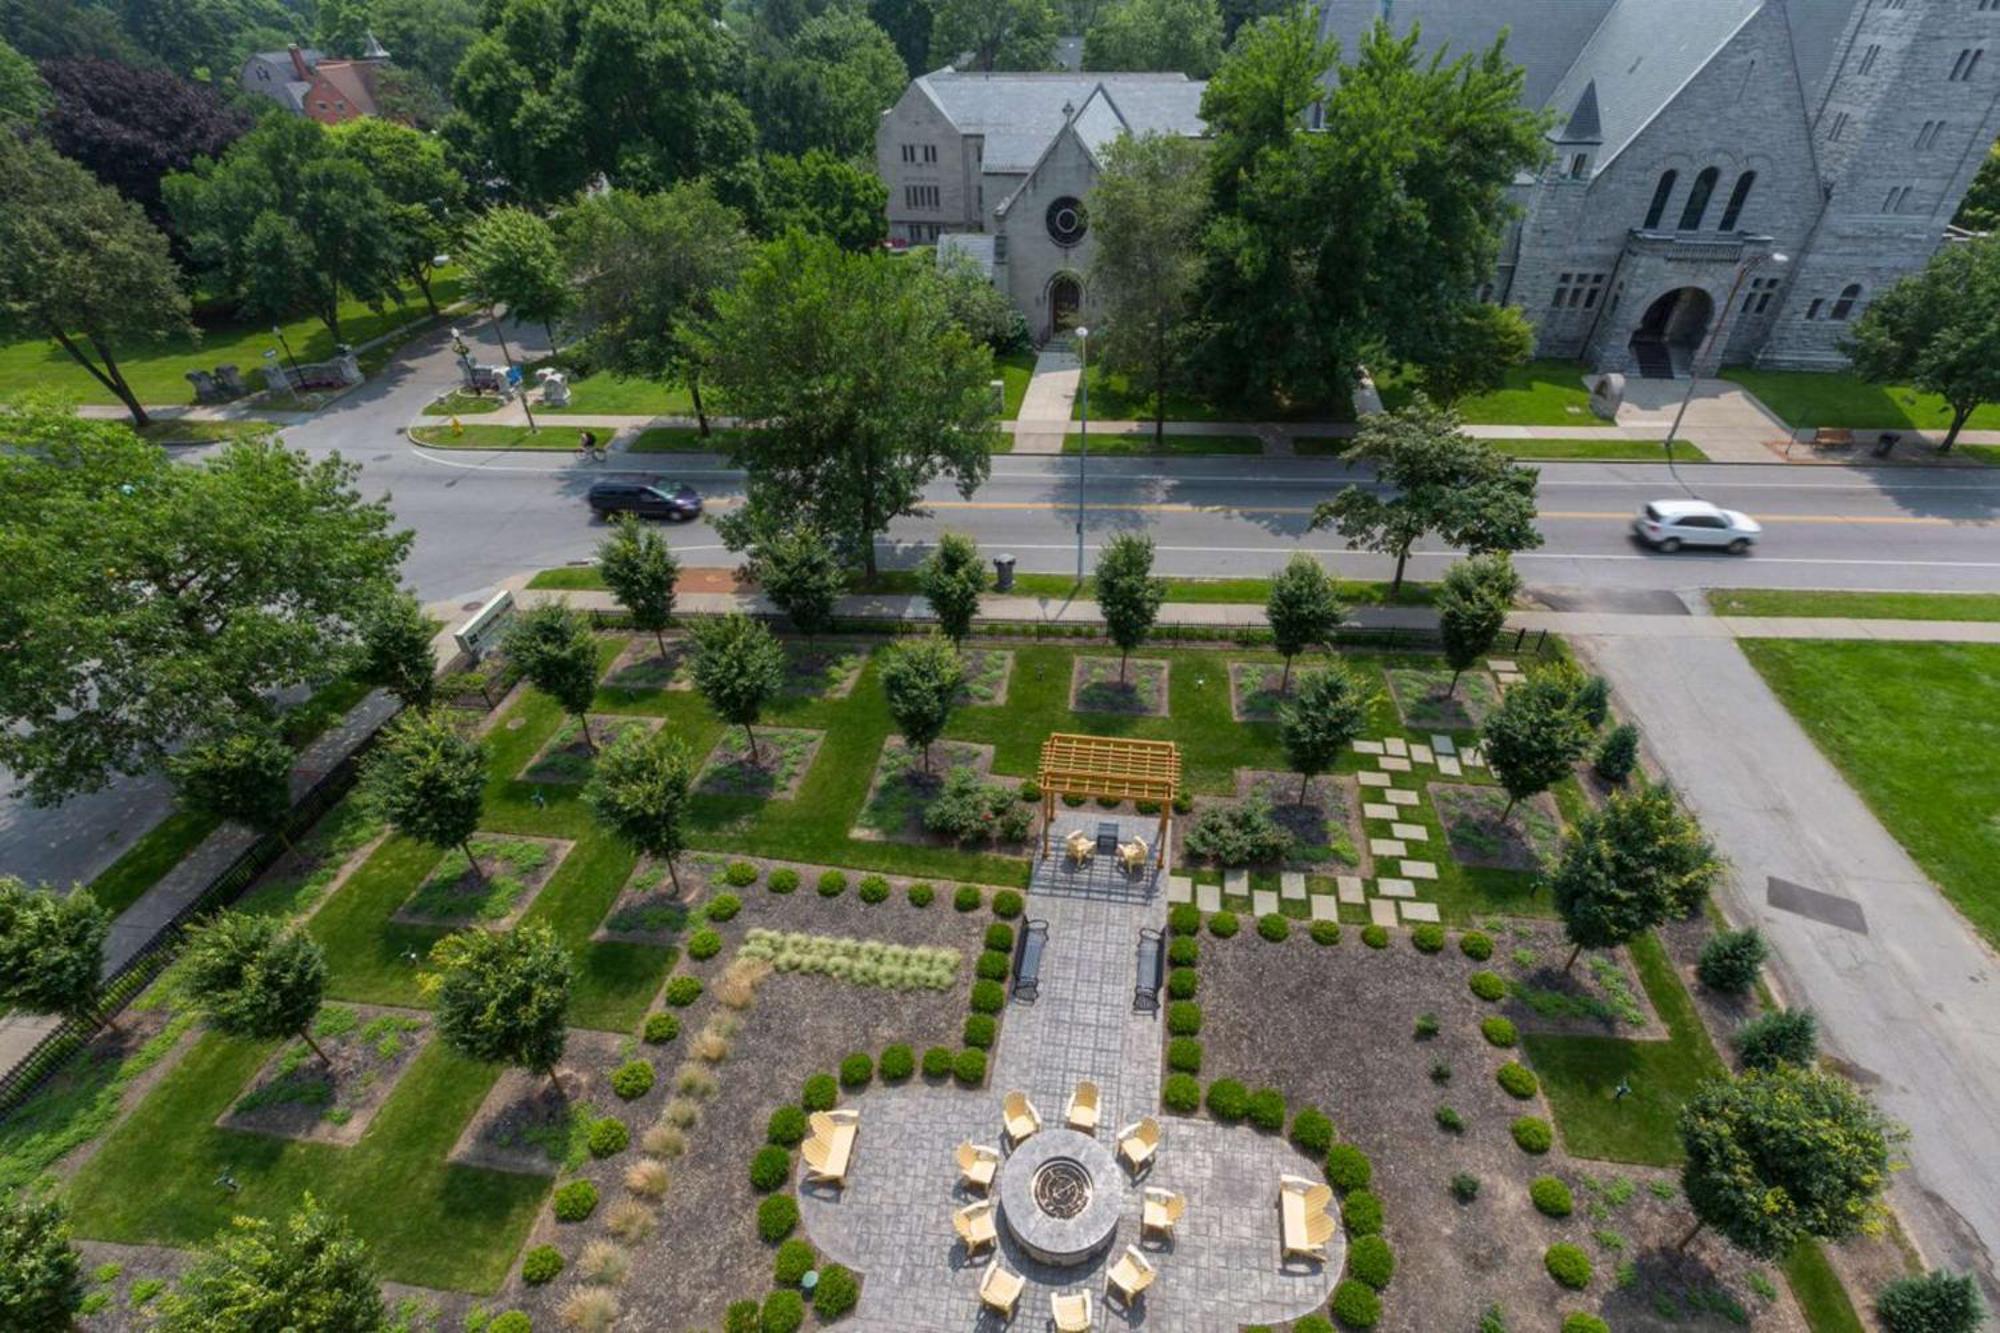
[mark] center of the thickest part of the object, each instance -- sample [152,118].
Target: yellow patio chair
[1000,1289]
[1138,1142]
[1163,1210]
[1080,847]
[1083,1107]
[975,1225]
[1071,1310]
[1295,1219]
[831,1148]
[977,1165]
[1132,856]
[1129,1277]
[1021,1118]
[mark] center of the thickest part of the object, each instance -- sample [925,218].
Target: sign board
[481,632]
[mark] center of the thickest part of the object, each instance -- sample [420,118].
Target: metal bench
[1152,967]
[1028,951]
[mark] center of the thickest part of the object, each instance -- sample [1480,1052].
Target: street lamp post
[279,330]
[1083,448]
[1743,271]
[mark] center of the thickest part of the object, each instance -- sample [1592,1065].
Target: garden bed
[1528,839]
[987,674]
[902,790]
[295,1096]
[513,869]
[1421,695]
[532,1126]
[774,774]
[643,665]
[822,669]
[568,757]
[1325,826]
[648,911]
[1095,686]
[1600,996]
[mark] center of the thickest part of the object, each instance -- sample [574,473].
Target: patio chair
[1299,1235]
[975,1225]
[1079,847]
[1071,1310]
[1132,856]
[977,1165]
[1163,1210]
[1138,1142]
[1000,1289]
[831,1148]
[1129,1277]
[1021,1118]
[1083,1107]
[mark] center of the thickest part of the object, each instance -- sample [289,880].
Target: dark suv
[660,499]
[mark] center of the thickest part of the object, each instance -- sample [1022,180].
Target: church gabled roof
[1585,125]
[1642,55]
[1019,115]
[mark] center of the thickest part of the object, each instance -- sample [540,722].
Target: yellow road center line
[1141,507]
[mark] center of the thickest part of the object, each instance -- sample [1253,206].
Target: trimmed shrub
[1228,1100]
[540,1265]
[607,1136]
[1464,1188]
[1488,985]
[969,1068]
[937,1062]
[1224,925]
[1184,1055]
[1356,1305]
[836,1293]
[1783,1036]
[857,1070]
[1426,1026]
[819,1093]
[921,895]
[1031,790]
[1312,1132]
[967,898]
[1498,1031]
[1730,961]
[832,883]
[1361,1211]
[795,1259]
[683,991]
[1182,983]
[1274,927]
[873,889]
[742,1317]
[1568,1265]
[1449,1120]
[1476,945]
[1184,1019]
[1585,1323]
[1000,938]
[1428,938]
[1934,1303]
[1324,932]
[1181,1094]
[783,880]
[633,1079]
[979,1031]
[992,966]
[770,1168]
[1312,1323]
[1375,937]
[1348,1168]
[511,1321]
[1517,1079]
[1617,753]
[1183,950]
[988,997]
[661,1028]
[1551,1197]
[1183,918]
[1370,1260]
[1183,801]
[575,1201]
[776,1217]
[739,874]
[1007,904]
[784,1312]
[724,907]
[1266,1110]
[898,1063]
[1532,1134]
[787,1127]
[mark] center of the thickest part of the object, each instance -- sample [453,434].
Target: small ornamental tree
[739,668]
[641,572]
[502,997]
[427,778]
[244,773]
[1472,605]
[801,573]
[1933,1303]
[639,790]
[1128,596]
[920,681]
[1630,866]
[951,579]
[1778,1156]
[1534,737]
[396,650]
[1303,608]
[41,1274]
[555,651]
[1330,711]
[253,978]
[52,950]
[310,1273]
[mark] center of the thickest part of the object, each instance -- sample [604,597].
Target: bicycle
[588,450]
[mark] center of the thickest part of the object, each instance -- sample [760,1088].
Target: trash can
[1003,573]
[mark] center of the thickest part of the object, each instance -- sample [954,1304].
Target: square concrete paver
[1391,764]
[1472,757]
[1368,747]
[1444,745]
[1264,902]
[1208,897]
[1386,847]
[1292,884]
[1421,753]
[1325,908]
[1419,911]
[1419,869]
[1373,779]
[1235,883]
[1381,913]
[1502,664]
[1395,745]
[1411,832]
[1449,766]
[1395,888]
[1350,889]
[1180,889]
[1372,810]
[1398,796]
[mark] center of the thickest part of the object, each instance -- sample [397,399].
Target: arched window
[1698,196]
[1844,307]
[1737,196]
[1661,193]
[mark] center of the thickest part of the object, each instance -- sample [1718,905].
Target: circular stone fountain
[1060,1195]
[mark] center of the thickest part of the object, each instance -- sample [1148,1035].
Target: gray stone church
[1695,142]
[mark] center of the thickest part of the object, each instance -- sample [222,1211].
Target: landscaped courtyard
[824,950]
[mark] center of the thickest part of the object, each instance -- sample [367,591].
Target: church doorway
[1065,304]
[1671,332]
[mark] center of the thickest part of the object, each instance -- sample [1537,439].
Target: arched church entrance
[1670,333]
[1065,303]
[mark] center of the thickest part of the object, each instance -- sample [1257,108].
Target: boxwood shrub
[1517,1079]
[937,1062]
[608,1136]
[1348,1168]
[787,1126]
[1000,937]
[703,945]
[1356,1305]
[540,1265]
[967,898]
[898,1063]
[836,1293]
[1274,927]
[724,906]
[776,1217]
[872,889]
[1324,932]
[1361,1211]
[633,1079]
[1184,1055]
[1370,1260]
[1568,1265]
[783,880]
[988,997]
[1267,1110]
[1181,1094]
[1428,937]
[1487,985]
[992,966]
[1183,918]
[575,1201]
[1312,1132]
[922,895]
[1183,950]
[1498,1031]
[1223,925]
[795,1259]
[832,883]
[662,1027]
[1551,1197]
[1184,1019]
[683,991]
[969,1067]
[1375,937]
[1312,1323]
[857,1070]
[1585,1323]
[1476,945]
[819,1093]
[740,1317]
[739,874]
[784,1312]
[1182,983]
[1228,1100]
[770,1168]
[1533,1135]
[1007,904]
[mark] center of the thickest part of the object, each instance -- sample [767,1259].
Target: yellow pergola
[1112,766]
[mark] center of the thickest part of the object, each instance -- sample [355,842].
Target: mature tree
[1473,350]
[1445,482]
[502,997]
[639,790]
[65,30]
[1778,1156]
[131,127]
[310,1273]
[865,390]
[81,266]
[513,260]
[1629,866]
[1779,1036]
[427,778]
[41,1273]
[1184,35]
[23,94]
[739,668]
[921,678]
[425,192]
[646,269]
[828,86]
[995,34]
[1303,609]
[141,597]
[555,650]
[428,37]
[641,571]
[396,652]
[253,977]
[1147,211]
[1472,603]
[823,195]
[1535,736]
[1938,329]
[1330,711]
[1128,596]
[240,770]
[951,578]
[908,23]
[1980,209]
[1937,1302]
[52,950]
[800,573]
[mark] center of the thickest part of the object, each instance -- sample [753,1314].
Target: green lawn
[1780,602]
[1015,370]
[157,376]
[1112,398]
[1127,445]
[686,440]
[607,395]
[1806,399]
[479,435]
[203,432]
[1914,729]
[1529,451]
[459,403]
[1540,393]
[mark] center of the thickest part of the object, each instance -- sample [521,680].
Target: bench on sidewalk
[1028,952]
[1832,437]
[1152,967]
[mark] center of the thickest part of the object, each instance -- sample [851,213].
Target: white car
[1668,525]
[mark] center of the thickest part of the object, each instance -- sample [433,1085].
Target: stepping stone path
[1420,870]
[1448,766]
[1391,764]
[1420,911]
[1374,780]
[1394,745]
[1472,758]
[1421,753]
[1395,888]
[1208,897]
[1382,913]
[1324,908]
[1292,883]
[1368,747]
[1386,847]
[1180,889]
[1264,902]
[1374,811]
[1398,796]
[1350,889]
[1444,745]
[1411,832]
[1235,883]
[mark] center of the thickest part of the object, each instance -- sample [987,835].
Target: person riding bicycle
[587,446]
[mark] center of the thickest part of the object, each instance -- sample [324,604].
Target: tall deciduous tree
[131,126]
[41,1273]
[1303,610]
[908,23]
[52,950]
[396,653]
[865,389]
[81,266]
[502,997]
[1938,329]
[1147,210]
[426,194]
[827,87]
[800,573]
[1778,1156]
[951,578]
[427,778]
[23,94]
[995,34]
[310,1273]
[555,650]
[639,790]
[1630,866]
[240,771]
[823,195]
[1445,483]
[253,977]
[920,681]
[1330,711]
[1472,603]
[641,572]
[739,668]
[1128,596]
[141,597]
[1184,35]
[1534,737]
[514,261]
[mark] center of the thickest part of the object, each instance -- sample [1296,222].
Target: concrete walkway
[1045,408]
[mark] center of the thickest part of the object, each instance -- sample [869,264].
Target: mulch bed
[1530,837]
[901,790]
[988,673]
[568,758]
[826,669]
[525,1124]
[1253,690]
[1420,695]
[775,774]
[648,911]
[1094,686]
[643,666]
[1326,826]
[513,869]
[1599,997]
[294,1096]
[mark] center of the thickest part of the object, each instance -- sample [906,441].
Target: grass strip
[1782,602]
[1136,444]
[1822,1299]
